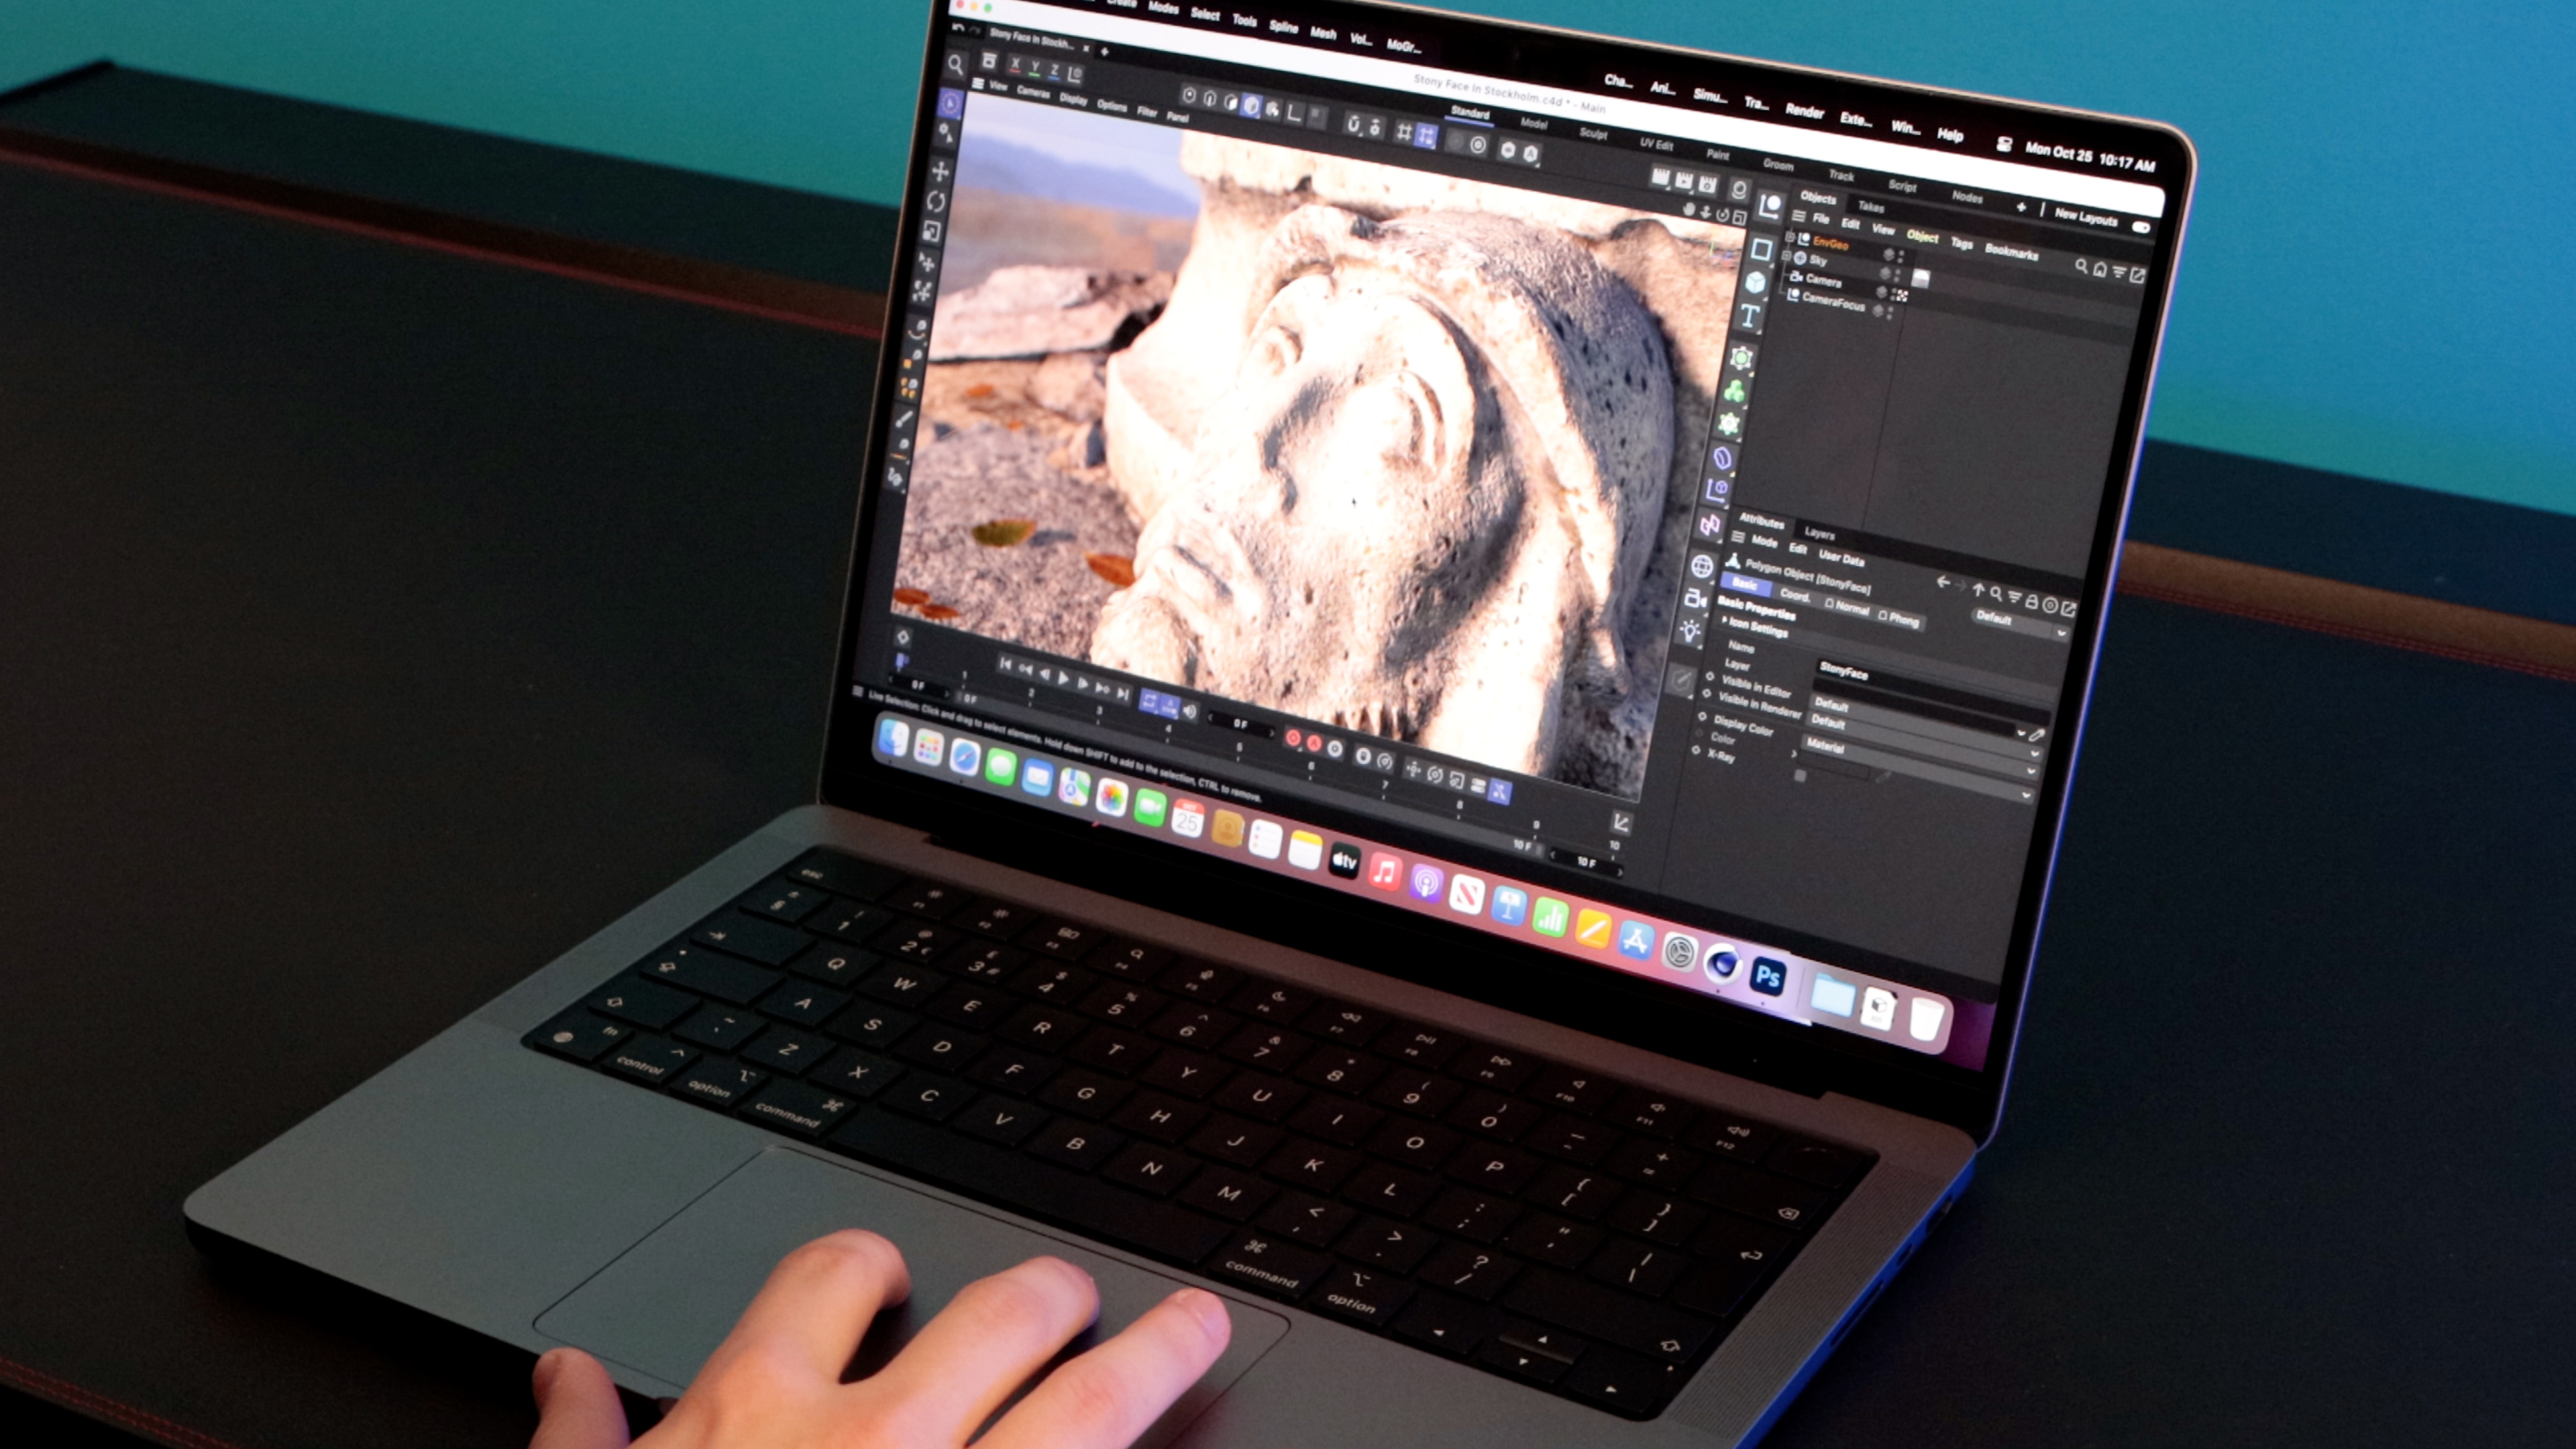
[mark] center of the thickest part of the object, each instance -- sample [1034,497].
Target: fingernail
[549,1367]
[1208,1309]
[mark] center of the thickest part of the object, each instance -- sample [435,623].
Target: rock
[1070,384]
[1038,593]
[1031,311]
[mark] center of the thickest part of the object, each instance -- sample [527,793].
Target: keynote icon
[1511,905]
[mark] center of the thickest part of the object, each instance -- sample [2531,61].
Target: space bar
[1026,1185]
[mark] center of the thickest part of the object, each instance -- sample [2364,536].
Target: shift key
[766,942]
[1609,1315]
[709,973]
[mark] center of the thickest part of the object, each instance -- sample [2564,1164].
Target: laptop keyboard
[1549,1224]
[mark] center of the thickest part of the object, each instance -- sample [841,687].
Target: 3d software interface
[1701,521]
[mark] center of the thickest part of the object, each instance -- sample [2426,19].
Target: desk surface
[380,622]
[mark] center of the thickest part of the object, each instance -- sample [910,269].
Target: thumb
[577,1407]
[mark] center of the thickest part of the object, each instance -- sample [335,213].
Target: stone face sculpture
[1422,506]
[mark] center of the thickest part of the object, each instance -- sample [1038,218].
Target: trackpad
[665,1304]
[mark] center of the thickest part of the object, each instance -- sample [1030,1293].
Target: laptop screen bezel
[1473,964]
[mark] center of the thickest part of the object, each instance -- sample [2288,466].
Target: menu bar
[1775,122]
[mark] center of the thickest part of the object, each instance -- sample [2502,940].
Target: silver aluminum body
[515,1194]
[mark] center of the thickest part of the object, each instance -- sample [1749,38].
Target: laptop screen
[1649,507]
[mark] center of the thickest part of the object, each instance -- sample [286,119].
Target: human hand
[775,1382]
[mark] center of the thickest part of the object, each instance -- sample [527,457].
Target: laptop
[1463,656]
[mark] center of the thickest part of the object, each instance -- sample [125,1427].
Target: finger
[817,1303]
[1107,1397]
[577,1406]
[988,1340]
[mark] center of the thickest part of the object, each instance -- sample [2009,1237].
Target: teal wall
[2373,285]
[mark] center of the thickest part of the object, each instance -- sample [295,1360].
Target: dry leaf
[1118,569]
[981,389]
[1004,532]
[911,598]
[937,612]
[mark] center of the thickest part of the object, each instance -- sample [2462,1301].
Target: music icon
[1386,871]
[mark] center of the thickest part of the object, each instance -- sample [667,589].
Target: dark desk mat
[378,623]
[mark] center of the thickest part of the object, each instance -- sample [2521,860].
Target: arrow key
[1521,1363]
[1444,1324]
[1622,1382]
